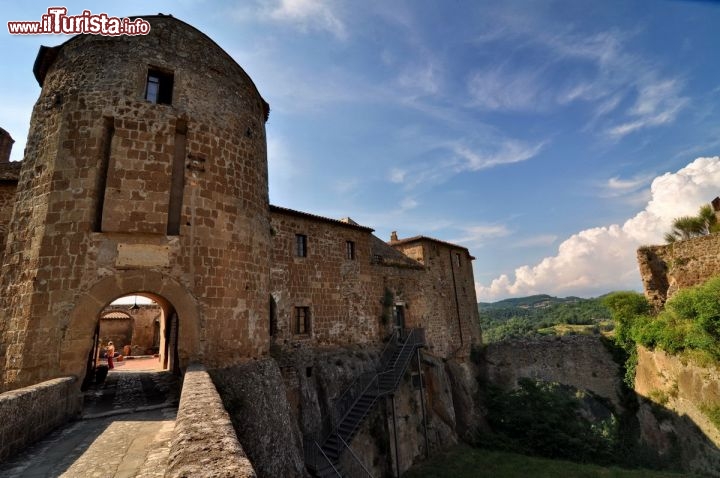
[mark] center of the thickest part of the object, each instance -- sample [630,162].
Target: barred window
[300,245]
[350,250]
[302,320]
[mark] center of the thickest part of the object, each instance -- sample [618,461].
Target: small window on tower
[159,87]
[300,245]
[350,250]
[302,321]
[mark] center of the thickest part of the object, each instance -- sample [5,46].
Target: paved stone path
[125,431]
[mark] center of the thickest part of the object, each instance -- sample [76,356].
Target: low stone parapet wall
[204,443]
[28,414]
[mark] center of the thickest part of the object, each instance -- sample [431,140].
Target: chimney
[393,236]
[6,143]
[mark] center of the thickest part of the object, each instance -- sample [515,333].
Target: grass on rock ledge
[466,462]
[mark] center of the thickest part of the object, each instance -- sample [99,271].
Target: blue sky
[551,138]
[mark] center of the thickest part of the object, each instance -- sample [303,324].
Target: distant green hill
[542,315]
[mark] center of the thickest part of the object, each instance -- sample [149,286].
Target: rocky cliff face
[683,393]
[274,402]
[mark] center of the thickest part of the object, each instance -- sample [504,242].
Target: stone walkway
[125,431]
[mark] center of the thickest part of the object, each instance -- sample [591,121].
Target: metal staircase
[323,456]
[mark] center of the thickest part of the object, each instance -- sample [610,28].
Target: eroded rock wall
[579,361]
[274,402]
[683,392]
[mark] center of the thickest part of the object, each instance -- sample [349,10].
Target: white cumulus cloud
[602,259]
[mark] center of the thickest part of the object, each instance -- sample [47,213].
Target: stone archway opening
[143,330]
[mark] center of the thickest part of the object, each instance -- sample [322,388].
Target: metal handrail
[327,459]
[387,351]
[355,457]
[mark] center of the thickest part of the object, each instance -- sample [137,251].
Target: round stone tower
[145,172]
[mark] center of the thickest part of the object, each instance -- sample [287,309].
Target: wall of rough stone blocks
[666,269]
[449,313]
[56,251]
[345,297]
[579,361]
[7,200]
[344,304]
[204,443]
[30,413]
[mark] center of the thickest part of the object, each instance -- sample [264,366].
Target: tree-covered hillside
[542,315]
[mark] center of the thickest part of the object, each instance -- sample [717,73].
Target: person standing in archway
[110,352]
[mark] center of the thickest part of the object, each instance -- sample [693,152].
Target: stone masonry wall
[449,313]
[7,201]
[204,443]
[30,413]
[346,296]
[92,109]
[580,361]
[666,269]
[339,292]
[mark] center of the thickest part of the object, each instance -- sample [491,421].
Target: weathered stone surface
[254,395]
[29,413]
[204,443]
[666,269]
[579,361]
[683,389]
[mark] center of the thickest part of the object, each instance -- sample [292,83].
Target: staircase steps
[387,382]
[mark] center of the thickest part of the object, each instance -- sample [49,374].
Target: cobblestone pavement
[124,432]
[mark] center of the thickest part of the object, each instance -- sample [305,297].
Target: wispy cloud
[475,236]
[533,241]
[310,15]
[657,103]
[305,15]
[598,69]
[506,89]
[507,152]
[450,158]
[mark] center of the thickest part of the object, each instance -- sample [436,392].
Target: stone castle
[145,173]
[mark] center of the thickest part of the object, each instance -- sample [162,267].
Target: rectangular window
[159,87]
[300,245]
[350,250]
[457,259]
[302,320]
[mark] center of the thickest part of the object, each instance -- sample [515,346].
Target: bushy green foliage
[526,316]
[690,321]
[542,418]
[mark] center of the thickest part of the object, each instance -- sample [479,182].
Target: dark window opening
[273,317]
[302,320]
[350,250]
[457,259]
[308,371]
[159,87]
[300,245]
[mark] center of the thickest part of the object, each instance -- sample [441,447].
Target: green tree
[686,227]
